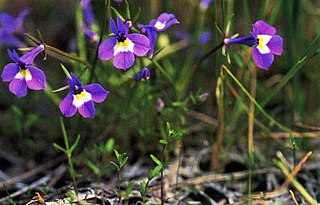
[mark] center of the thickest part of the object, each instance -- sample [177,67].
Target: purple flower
[22,74]
[163,22]
[82,98]
[204,4]
[204,38]
[11,27]
[91,35]
[160,105]
[265,41]
[88,16]
[123,46]
[143,75]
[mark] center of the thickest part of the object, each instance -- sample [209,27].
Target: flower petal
[87,110]
[98,93]
[106,49]
[10,71]
[20,18]
[123,60]
[275,45]
[153,36]
[7,22]
[121,27]
[261,27]
[66,107]
[141,44]
[29,57]
[38,81]
[262,60]
[165,17]
[113,26]
[13,56]
[74,82]
[18,87]
[10,40]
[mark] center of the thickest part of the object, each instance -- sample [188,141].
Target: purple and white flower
[11,27]
[163,22]
[22,74]
[123,46]
[143,75]
[265,41]
[82,98]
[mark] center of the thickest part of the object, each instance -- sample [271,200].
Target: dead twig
[33,172]
[222,177]
[35,184]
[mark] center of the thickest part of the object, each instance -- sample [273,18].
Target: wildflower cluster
[122,47]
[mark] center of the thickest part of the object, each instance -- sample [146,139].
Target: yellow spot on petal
[81,95]
[262,46]
[81,98]
[24,74]
[125,46]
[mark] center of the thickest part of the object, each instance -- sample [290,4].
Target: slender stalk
[161,173]
[216,149]
[68,152]
[260,108]
[68,55]
[80,37]
[253,82]
[182,87]
[106,16]
[163,71]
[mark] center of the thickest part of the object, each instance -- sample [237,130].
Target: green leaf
[130,187]
[164,142]
[109,146]
[294,142]
[116,165]
[58,147]
[117,155]
[153,173]
[123,162]
[117,13]
[156,160]
[135,18]
[127,9]
[143,187]
[228,26]
[93,167]
[177,135]
[65,70]
[168,127]
[75,144]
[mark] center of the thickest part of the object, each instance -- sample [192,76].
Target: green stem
[106,16]
[162,70]
[186,79]
[162,178]
[69,155]
[68,55]
[250,129]
[260,108]
[80,37]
